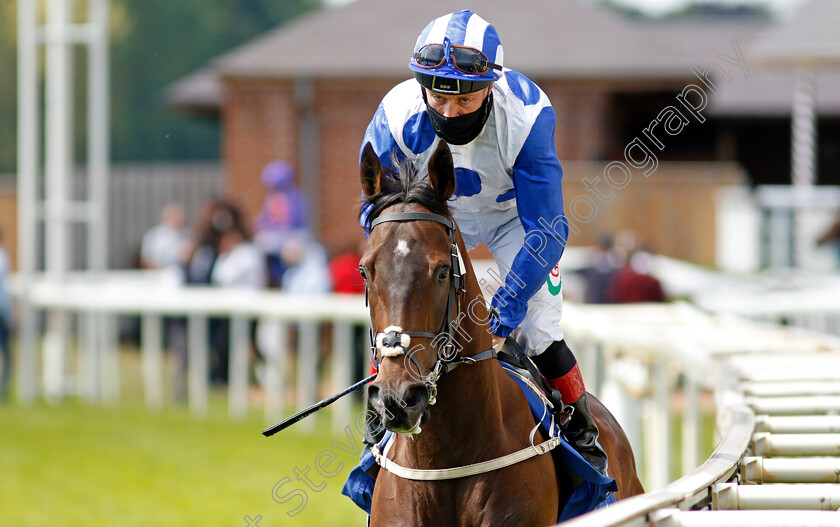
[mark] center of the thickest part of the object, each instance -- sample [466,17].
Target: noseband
[393,341]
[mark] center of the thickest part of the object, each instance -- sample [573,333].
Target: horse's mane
[404,185]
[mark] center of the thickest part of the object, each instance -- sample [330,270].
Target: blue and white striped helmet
[459,34]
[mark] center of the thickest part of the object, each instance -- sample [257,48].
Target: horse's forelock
[405,185]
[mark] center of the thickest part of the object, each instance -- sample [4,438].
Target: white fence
[786,296]
[98,300]
[636,375]
[646,362]
[776,398]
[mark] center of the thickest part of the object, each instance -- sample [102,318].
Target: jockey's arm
[537,178]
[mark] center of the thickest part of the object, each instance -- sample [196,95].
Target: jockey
[499,126]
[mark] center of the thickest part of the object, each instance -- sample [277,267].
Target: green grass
[76,464]
[80,465]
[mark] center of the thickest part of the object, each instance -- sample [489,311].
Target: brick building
[306,91]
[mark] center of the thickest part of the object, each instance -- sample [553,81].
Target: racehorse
[429,315]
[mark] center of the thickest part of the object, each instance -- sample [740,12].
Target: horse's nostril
[373,392]
[416,397]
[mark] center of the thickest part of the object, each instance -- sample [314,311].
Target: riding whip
[282,425]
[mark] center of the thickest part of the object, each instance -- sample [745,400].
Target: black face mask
[462,129]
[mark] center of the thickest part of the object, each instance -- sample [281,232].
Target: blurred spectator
[5,323]
[220,241]
[599,274]
[346,279]
[215,217]
[164,244]
[205,243]
[634,281]
[239,263]
[306,267]
[284,216]
[344,270]
[626,242]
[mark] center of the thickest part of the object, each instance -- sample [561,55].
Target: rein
[393,341]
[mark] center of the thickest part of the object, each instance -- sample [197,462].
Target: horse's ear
[442,170]
[371,173]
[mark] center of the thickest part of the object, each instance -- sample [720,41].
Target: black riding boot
[559,367]
[583,435]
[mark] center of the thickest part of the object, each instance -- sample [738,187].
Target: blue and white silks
[508,180]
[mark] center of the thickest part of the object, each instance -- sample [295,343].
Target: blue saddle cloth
[595,491]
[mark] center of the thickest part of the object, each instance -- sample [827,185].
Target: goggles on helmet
[465,59]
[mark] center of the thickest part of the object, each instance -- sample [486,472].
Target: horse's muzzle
[402,409]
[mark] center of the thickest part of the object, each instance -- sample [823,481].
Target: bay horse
[474,413]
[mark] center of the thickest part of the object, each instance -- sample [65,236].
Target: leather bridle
[394,337]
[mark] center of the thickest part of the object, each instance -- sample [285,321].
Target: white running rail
[778,460]
[647,362]
[98,300]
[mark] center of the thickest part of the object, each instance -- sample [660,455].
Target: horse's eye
[362,272]
[443,274]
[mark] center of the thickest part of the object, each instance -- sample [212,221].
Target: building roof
[769,93]
[557,39]
[542,38]
[199,92]
[811,37]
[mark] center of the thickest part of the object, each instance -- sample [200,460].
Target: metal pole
[152,337]
[342,372]
[803,424]
[98,137]
[98,153]
[806,405]
[59,163]
[59,136]
[110,357]
[680,518]
[690,424]
[791,388]
[774,445]
[309,162]
[803,128]
[790,470]
[28,174]
[307,380]
[803,153]
[240,347]
[91,355]
[779,250]
[658,448]
[272,335]
[197,363]
[802,496]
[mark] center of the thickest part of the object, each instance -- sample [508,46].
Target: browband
[414,216]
